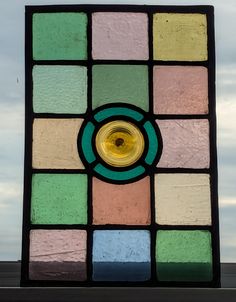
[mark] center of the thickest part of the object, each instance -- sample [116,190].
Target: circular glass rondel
[119,143]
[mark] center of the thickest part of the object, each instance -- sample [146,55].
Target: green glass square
[60,36]
[59,89]
[120,83]
[184,255]
[59,199]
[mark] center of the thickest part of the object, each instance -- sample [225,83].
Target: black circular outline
[141,161]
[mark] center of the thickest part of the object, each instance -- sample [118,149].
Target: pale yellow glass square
[179,37]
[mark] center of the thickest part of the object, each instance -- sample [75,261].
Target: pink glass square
[185,143]
[120,36]
[180,90]
[58,255]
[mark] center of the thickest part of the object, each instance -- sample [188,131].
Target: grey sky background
[12,117]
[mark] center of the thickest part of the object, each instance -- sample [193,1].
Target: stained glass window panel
[120,147]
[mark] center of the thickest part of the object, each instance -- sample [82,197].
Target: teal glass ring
[141,128]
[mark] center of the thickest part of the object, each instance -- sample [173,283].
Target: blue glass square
[121,255]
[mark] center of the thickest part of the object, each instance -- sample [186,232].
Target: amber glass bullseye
[119,143]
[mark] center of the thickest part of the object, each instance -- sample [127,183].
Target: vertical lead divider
[89,111]
[151,174]
[213,150]
[28,148]
[89,231]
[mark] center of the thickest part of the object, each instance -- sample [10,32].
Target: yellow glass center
[119,143]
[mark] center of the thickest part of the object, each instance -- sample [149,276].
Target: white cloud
[10,190]
[12,118]
[226,121]
[227,202]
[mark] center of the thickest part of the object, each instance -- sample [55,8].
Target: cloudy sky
[12,118]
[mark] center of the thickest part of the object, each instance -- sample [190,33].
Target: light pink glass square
[58,255]
[185,143]
[120,36]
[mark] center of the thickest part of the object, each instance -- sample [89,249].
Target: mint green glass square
[60,36]
[120,83]
[59,199]
[59,89]
[183,255]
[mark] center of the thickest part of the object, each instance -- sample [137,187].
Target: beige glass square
[183,199]
[55,144]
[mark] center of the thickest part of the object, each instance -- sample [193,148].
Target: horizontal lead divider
[153,116]
[119,62]
[122,227]
[155,170]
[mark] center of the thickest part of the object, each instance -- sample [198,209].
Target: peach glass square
[127,204]
[55,143]
[180,90]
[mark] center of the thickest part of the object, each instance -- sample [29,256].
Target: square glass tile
[60,36]
[184,255]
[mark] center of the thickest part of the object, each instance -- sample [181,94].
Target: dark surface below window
[10,290]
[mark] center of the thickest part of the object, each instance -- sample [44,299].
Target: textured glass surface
[86,142]
[127,204]
[124,36]
[118,175]
[180,37]
[183,199]
[185,143]
[60,36]
[58,255]
[184,255]
[180,90]
[119,143]
[60,89]
[59,199]
[55,143]
[120,83]
[108,112]
[121,255]
[152,141]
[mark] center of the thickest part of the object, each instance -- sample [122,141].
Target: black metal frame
[30,115]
